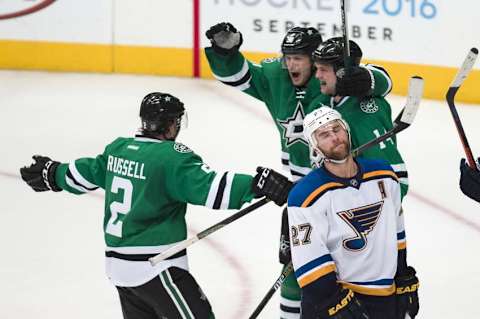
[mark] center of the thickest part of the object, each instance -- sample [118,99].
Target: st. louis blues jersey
[350,227]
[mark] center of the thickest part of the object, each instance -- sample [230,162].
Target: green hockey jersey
[368,120]
[148,183]
[269,82]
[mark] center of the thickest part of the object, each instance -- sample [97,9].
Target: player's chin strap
[318,158]
[335,161]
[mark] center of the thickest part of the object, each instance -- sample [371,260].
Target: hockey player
[287,86]
[148,181]
[368,117]
[469,181]
[347,231]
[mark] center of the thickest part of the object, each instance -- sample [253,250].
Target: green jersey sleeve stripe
[79,179]
[215,191]
[226,192]
[71,183]
[382,71]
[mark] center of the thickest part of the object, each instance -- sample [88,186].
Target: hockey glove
[225,38]
[41,174]
[343,305]
[357,81]
[407,294]
[469,181]
[272,185]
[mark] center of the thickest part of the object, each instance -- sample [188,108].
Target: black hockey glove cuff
[40,175]
[469,181]
[407,294]
[356,81]
[343,305]
[225,38]
[272,185]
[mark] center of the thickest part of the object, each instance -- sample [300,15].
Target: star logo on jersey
[293,127]
[179,147]
[362,220]
[369,106]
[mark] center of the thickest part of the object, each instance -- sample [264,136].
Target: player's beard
[338,152]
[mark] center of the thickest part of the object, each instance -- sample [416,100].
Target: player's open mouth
[295,75]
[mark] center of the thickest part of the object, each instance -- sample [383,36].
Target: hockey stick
[190,241]
[346,43]
[285,273]
[404,119]
[452,90]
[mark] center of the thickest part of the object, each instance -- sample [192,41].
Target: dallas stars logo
[293,127]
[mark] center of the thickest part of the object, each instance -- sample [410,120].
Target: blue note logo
[361,220]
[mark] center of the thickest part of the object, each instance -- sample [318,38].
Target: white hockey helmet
[316,119]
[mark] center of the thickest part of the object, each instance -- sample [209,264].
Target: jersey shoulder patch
[181,148]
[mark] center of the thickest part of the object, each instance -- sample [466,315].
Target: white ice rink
[52,257]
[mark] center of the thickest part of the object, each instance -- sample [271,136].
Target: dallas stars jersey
[148,183]
[269,82]
[368,120]
[353,227]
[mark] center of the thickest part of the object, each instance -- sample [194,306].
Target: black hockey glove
[357,81]
[41,174]
[343,305]
[225,38]
[272,185]
[469,181]
[407,294]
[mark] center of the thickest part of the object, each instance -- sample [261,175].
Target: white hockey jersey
[353,227]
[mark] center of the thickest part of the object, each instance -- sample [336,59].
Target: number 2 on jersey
[114,226]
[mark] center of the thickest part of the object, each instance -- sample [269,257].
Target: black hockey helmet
[331,52]
[300,40]
[159,110]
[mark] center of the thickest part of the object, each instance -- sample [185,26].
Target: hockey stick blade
[404,118]
[190,241]
[462,74]
[415,92]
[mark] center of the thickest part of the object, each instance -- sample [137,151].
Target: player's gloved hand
[343,305]
[225,38]
[272,185]
[357,81]
[407,294]
[469,181]
[41,174]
